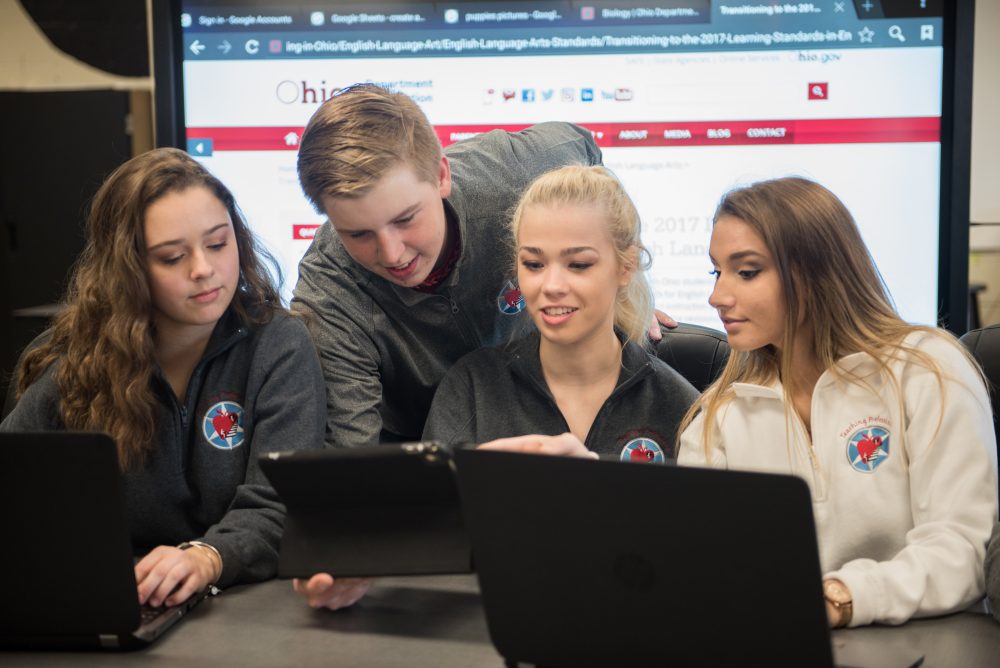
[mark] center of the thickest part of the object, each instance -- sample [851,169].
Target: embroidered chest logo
[644,450]
[867,448]
[510,301]
[222,425]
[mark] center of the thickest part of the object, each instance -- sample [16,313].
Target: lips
[557,315]
[404,270]
[731,323]
[206,296]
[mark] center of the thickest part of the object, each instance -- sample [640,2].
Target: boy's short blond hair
[359,135]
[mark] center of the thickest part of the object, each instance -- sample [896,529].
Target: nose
[722,296]
[554,280]
[201,268]
[389,246]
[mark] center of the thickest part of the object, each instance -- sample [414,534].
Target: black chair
[697,353]
[984,344]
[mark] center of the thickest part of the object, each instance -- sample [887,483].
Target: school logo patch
[644,450]
[223,425]
[510,301]
[867,448]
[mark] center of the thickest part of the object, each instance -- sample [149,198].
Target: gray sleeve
[452,418]
[289,413]
[591,151]
[38,408]
[347,353]
[547,146]
[993,571]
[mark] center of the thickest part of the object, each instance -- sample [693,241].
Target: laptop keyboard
[148,613]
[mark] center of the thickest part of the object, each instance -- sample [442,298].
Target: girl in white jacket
[889,423]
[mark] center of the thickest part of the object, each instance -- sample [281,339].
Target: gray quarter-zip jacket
[385,348]
[501,392]
[257,388]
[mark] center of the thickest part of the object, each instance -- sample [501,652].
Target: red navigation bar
[700,133]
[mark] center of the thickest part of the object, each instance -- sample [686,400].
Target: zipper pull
[454,306]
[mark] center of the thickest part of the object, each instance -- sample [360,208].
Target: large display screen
[686,99]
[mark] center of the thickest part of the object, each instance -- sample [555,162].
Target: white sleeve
[691,451]
[951,451]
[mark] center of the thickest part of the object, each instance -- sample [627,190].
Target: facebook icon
[528,95]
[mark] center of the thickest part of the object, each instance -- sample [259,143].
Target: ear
[444,178]
[627,269]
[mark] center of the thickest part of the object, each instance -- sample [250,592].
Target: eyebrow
[741,255]
[408,211]
[564,252]
[174,242]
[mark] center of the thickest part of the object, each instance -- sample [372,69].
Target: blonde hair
[596,186]
[103,339]
[828,278]
[359,135]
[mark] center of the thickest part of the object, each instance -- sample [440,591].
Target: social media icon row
[566,94]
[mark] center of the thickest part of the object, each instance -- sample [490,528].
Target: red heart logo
[224,423]
[867,447]
[642,454]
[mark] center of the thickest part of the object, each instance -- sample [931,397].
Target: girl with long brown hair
[174,341]
[889,423]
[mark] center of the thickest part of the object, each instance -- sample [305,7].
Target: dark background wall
[55,150]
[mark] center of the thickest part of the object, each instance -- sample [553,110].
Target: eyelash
[745,274]
[534,265]
[171,261]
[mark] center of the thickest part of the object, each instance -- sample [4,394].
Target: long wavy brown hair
[103,339]
[827,277]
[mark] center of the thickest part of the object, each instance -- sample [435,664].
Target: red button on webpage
[304,231]
[818,91]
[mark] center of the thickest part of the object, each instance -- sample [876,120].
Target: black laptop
[379,510]
[586,563]
[67,565]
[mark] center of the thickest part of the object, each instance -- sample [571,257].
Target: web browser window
[686,100]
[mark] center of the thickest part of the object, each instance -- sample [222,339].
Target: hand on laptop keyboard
[169,575]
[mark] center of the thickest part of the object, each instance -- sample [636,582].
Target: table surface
[427,621]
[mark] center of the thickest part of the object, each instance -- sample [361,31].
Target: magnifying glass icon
[895,32]
[818,91]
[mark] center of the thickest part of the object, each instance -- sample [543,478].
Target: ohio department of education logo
[867,448]
[510,301]
[644,450]
[222,425]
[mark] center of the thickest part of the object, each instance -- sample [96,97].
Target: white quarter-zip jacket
[904,498]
